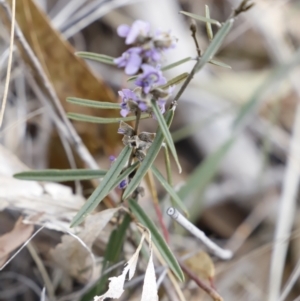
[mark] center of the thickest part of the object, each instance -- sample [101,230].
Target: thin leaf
[124,174]
[214,45]
[131,78]
[87,118]
[180,62]
[93,103]
[220,64]
[208,24]
[149,159]
[106,59]
[204,173]
[175,81]
[169,189]
[280,73]
[60,175]
[104,187]
[157,238]
[165,130]
[201,18]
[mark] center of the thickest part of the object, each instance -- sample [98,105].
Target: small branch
[193,29]
[9,63]
[209,290]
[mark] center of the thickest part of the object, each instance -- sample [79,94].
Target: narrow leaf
[124,174]
[201,18]
[149,159]
[169,189]
[208,24]
[205,171]
[104,187]
[157,238]
[131,78]
[93,103]
[165,130]
[175,81]
[170,66]
[87,118]
[106,59]
[60,175]
[214,45]
[220,64]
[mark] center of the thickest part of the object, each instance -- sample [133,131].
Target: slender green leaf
[157,239]
[220,64]
[204,173]
[131,78]
[208,24]
[201,18]
[60,175]
[175,81]
[104,187]
[106,59]
[169,189]
[214,45]
[92,119]
[149,159]
[280,73]
[93,103]
[180,62]
[165,129]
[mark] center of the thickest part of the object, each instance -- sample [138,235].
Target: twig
[217,251]
[209,290]
[193,29]
[11,45]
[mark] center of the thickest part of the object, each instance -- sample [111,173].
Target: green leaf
[214,45]
[201,18]
[94,103]
[280,73]
[92,119]
[170,66]
[106,59]
[220,64]
[104,187]
[124,174]
[208,24]
[165,130]
[149,159]
[131,78]
[169,189]
[205,172]
[60,175]
[175,81]
[157,239]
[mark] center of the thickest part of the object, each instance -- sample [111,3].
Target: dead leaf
[15,238]
[69,75]
[202,265]
[70,254]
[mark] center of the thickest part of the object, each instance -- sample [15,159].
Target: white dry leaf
[116,284]
[73,255]
[56,201]
[150,287]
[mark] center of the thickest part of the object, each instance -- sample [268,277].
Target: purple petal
[123,30]
[143,106]
[124,112]
[133,64]
[138,28]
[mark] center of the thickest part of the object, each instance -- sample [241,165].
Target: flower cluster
[143,58]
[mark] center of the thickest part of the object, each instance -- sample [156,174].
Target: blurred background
[236,132]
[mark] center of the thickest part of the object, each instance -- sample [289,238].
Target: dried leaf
[69,74]
[70,253]
[116,285]
[15,238]
[202,265]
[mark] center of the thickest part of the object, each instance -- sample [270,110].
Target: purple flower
[123,184]
[152,55]
[131,60]
[129,102]
[151,76]
[112,158]
[138,30]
